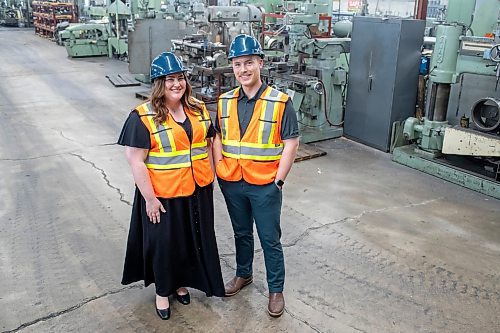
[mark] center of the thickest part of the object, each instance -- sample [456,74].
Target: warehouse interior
[391,212]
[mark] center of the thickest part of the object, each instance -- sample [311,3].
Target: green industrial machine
[311,67]
[107,36]
[60,33]
[269,6]
[463,155]
[119,14]
[94,12]
[86,40]
[204,53]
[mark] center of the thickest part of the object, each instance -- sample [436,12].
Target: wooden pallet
[142,94]
[307,152]
[123,80]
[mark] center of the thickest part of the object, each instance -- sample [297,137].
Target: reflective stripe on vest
[252,151]
[264,150]
[200,150]
[168,156]
[228,101]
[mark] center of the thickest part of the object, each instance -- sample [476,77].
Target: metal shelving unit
[48,14]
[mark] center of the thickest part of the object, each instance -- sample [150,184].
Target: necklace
[176,110]
[178,114]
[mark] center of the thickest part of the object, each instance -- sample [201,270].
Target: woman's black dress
[181,250]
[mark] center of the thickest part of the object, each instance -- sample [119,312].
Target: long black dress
[181,250]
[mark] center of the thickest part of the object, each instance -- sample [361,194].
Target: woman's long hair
[158,102]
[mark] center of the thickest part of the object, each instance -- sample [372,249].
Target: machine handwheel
[495,53]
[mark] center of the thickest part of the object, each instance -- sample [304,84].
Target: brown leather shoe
[276,304]
[236,284]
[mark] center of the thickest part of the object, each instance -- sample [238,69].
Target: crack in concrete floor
[105,176]
[133,286]
[355,218]
[71,308]
[224,256]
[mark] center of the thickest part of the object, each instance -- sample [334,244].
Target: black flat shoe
[164,314]
[183,299]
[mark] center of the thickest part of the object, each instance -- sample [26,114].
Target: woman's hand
[136,158]
[153,208]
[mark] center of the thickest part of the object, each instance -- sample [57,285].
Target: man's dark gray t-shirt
[289,124]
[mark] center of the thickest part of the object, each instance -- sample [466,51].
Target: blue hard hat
[244,45]
[165,64]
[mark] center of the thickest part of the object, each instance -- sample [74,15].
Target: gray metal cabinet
[383,77]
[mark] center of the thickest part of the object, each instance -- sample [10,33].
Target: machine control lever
[497,75]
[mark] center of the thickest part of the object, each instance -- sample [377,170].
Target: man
[254,149]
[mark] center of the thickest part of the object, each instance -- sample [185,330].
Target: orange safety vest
[174,164]
[255,157]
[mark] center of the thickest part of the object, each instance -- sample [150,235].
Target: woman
[171,240]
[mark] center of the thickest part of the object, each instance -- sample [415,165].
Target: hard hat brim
[159,76]
[246,55]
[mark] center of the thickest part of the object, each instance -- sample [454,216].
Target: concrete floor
[370,245]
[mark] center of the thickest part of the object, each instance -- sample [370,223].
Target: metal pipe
[442,98]
[445,54]
[432,102]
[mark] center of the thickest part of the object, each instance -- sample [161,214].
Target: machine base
[408,156]
[314,134]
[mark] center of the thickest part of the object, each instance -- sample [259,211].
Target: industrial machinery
[84,40]
[309,65]
[59,32]
[302,58]
[156,30]
[15,13]
[445,143]
[204,53]
[118,15]
[95,12]
[306,61]
[106,36]
[157,24]
[10,17]
[208,66]
[193,12]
